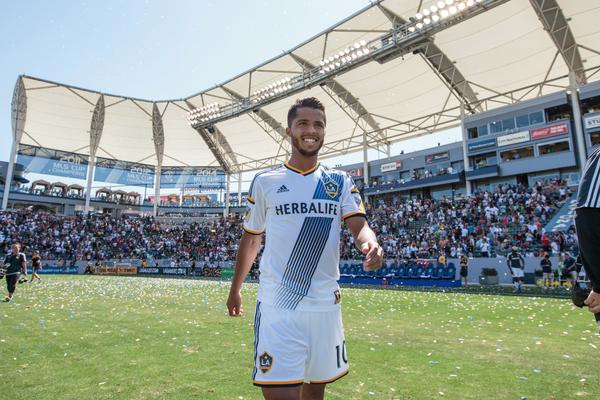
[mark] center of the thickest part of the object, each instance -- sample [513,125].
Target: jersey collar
[299,171]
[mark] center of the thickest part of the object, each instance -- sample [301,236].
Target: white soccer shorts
[518,272]
[293,347]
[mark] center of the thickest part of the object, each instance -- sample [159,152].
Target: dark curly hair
[308,102]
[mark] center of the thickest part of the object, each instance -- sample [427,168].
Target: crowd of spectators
[482,225]
[100,237]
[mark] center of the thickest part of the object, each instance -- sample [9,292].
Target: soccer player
[516,264]
[587,220]
[15,262]
[464,269]
[299,343]
[547,275]
[36,266]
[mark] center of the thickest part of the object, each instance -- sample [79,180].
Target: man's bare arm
[366,242]
[247,252]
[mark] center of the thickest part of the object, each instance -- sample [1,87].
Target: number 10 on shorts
[341,354]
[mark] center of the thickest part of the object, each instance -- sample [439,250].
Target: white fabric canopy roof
[504,54]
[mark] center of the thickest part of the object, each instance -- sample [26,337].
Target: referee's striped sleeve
[589,186]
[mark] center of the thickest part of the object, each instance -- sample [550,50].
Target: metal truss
[218,145]
[557,26]
[270,125]
[348,103]
[387,47]
[443,67]
[447,118]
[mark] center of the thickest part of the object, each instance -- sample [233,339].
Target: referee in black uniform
[15,262]
[587,221]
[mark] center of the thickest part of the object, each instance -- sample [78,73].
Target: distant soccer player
[516,265]
[299,343]
[15,262]
[464,269]
[36,266]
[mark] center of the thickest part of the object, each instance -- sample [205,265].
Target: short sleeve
[352,204]
[256,211]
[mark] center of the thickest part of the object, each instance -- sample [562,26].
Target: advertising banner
[149,270]
[548,131]
[116,270]
[200,177]
[483,144]
[393,166]
[355,172]
[55,269]
[53,162]
[431,158]
[174,271]
[125,173]
[514,138]
[592,122]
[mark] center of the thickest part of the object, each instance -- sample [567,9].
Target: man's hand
[234,304]
[593,302]
[373,255]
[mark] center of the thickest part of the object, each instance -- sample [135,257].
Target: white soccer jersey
[300,213]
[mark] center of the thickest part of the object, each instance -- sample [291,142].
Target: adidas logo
[283,189]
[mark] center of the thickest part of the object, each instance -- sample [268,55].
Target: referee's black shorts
[587,222]
[11,282]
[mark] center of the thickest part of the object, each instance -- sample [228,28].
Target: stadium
[136,207]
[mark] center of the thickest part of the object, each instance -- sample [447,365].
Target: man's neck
[302,163]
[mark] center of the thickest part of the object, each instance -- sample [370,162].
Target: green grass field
[91,337]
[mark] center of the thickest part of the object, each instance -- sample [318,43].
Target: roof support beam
[158,136]
[557,26]
[351,105]
[218,145]
[267,123]
[19,112]
[443,67]
[96,128]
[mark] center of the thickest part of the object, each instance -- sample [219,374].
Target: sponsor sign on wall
[116,270]
[549,131]
[149,270]
[355,172]
[393,166]
[483,144]
[431,158]
[514,138]
[53,162]
[592,121]
[55,269]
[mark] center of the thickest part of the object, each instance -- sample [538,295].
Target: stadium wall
[164,267]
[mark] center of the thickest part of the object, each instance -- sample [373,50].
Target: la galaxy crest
[265,362]
[331,187]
